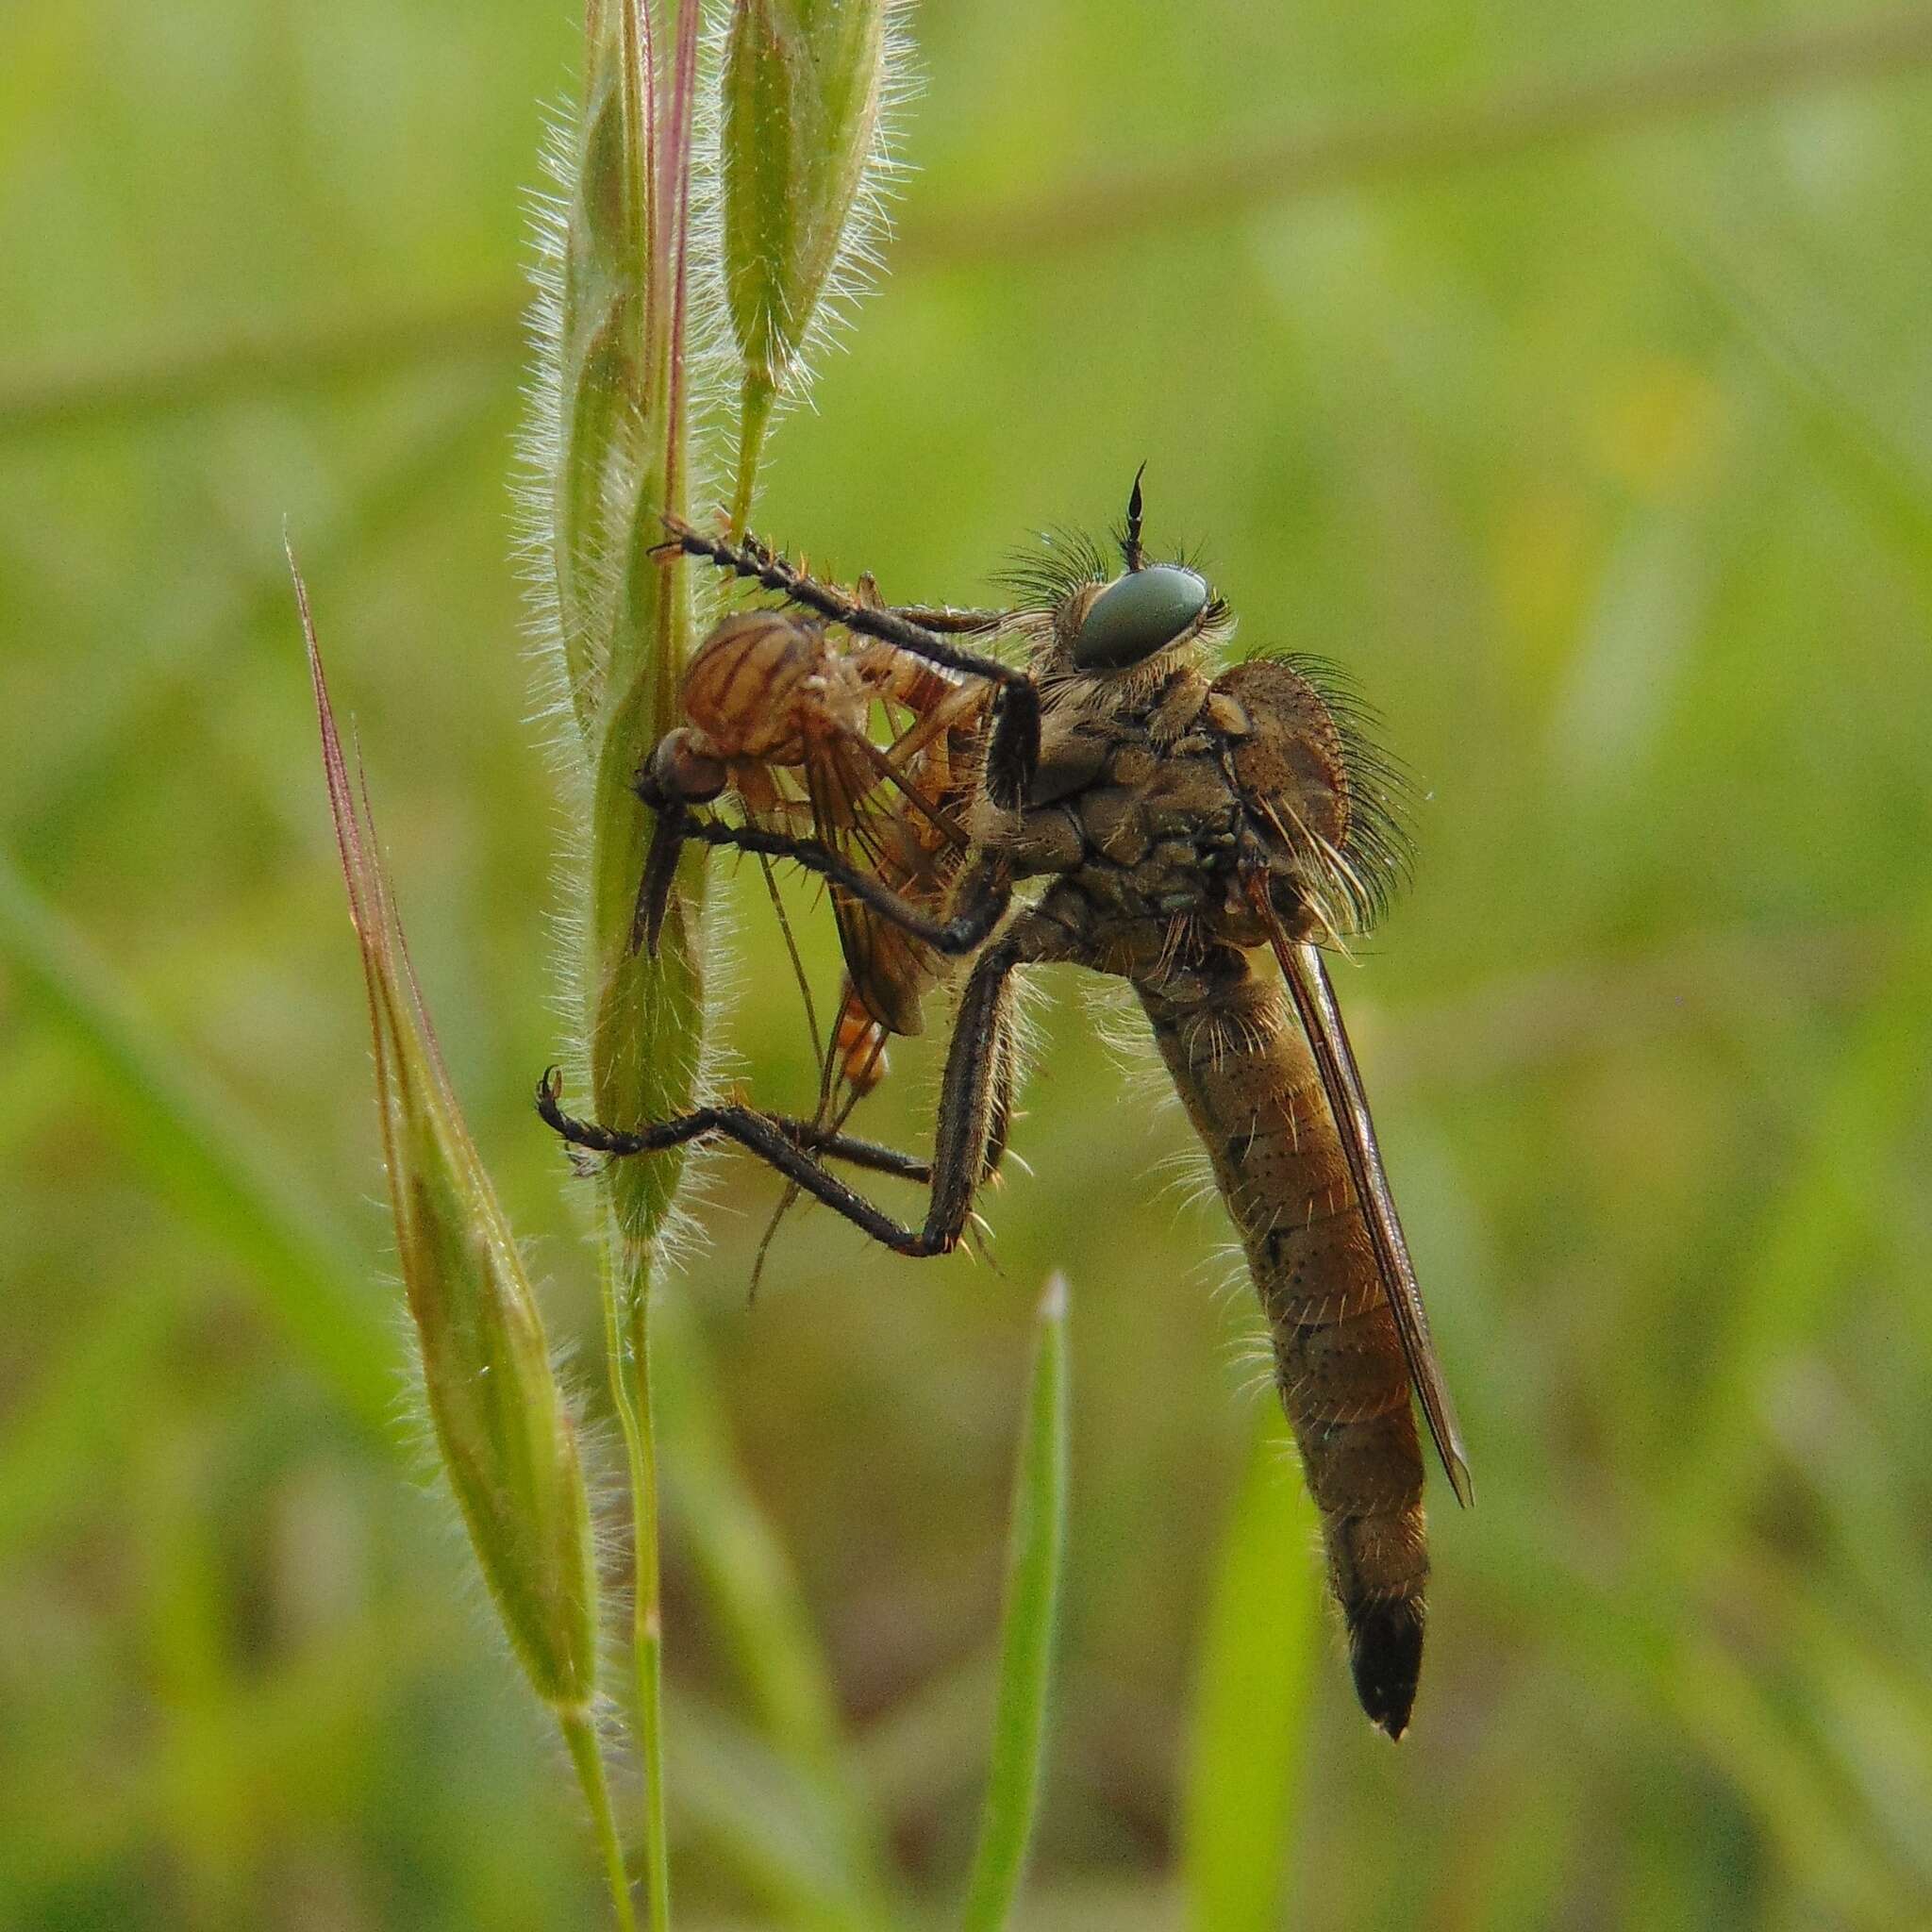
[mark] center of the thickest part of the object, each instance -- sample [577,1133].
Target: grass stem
[647,1617]
[627,1345]
[580,1735]
[754,416]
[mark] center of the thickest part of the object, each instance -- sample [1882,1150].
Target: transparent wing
[868,810]
[1302,967]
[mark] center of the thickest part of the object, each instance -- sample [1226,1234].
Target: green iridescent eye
[1137,615]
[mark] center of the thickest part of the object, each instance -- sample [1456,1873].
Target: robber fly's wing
[862,806]
[1302,967]
[1341,1080]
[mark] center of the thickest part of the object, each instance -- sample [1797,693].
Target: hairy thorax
[1143,811]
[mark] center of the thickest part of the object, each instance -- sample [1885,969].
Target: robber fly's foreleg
[980,898]
[762,565]
[1013,751]
[944,617]
[974,1110]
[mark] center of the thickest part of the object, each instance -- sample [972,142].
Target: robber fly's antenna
[1131,553]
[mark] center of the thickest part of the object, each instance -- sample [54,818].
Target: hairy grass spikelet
[504,1432]
[634,320]
[623,283]
[623,289]
[808,86]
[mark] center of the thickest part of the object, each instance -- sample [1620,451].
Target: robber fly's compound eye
[1137,615]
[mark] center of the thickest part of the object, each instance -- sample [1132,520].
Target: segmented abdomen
[1245,1072]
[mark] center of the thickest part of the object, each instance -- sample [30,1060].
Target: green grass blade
[192,1141]
[1257,1655]
[1812,1235]
[581,1738]
[761,1821]
[82,1418]
[752,1591]
[1035,1541]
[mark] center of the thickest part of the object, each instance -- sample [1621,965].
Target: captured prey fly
[1173,825]
[782,715]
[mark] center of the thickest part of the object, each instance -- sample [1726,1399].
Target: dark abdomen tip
[1384,1651]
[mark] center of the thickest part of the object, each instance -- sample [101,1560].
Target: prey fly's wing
[864,806]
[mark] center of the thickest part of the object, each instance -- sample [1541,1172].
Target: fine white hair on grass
[707,365]
[600,1455]
[540,455]
[711,356]
[565,712]
[414,1431]
[859,263]
[682,1235]
[561,701]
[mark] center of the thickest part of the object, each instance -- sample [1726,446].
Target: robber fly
[1174,824]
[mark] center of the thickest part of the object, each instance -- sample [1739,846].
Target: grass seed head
[806,86]
[503,1428]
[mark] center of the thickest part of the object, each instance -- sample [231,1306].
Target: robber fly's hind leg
[810,1138]
[975,1092]
[775,1139]
[976,1107]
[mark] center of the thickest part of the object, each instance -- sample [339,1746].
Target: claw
[584,1136]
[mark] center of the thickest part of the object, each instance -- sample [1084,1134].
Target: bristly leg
[780,1142]
[810,1136]
[982,893]
[975,1107]
[759,564]
[1013,749]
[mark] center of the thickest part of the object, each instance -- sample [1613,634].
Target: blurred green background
[1588,421]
